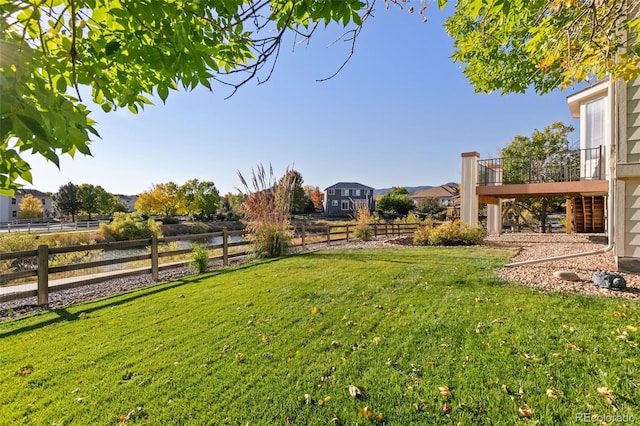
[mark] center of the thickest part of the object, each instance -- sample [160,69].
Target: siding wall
[629,253]
[627,201]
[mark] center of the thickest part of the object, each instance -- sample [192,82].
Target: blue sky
[399,114]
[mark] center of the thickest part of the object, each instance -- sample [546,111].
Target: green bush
[200,261]
[130,226]
[270,240]
[17,241]
[449,234]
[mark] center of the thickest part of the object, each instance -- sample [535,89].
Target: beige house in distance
[444,193]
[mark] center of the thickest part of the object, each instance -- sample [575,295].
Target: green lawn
[427,335]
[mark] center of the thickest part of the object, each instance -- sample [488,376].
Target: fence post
[8,227]
[375,229]
[43,275]
[225,247]
[302,237]
[347,233]
[29,227]
[328,235]
[154,258]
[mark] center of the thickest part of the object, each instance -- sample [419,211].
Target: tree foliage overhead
[511,45]
[125,51]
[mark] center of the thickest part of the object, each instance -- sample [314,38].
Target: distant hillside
[411,189]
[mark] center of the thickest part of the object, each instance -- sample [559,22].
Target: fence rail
[568,166]
[28,225]
[38,263]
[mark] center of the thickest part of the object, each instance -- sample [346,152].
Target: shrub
[130,226]
[200,261]
[449,234]
[17,241]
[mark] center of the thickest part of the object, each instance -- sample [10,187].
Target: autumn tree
[123,52]
[317,198]
[66,201]
[201,199]
[30,207]
[163,198]
[538,158]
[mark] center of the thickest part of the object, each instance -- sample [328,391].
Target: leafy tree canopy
[511,45]
[126,51]
[397,200]
[201,198]
[66,200]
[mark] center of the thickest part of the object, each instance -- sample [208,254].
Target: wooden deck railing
[22,265]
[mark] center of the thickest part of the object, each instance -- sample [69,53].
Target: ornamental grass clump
[363,231]
[268,210]
[449,234]
[200,258]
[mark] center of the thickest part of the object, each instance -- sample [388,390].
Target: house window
[592,168]
[13,201]
[345,205]
[331,192]
[356,192]
[345,192]
[334,203]
[14,214]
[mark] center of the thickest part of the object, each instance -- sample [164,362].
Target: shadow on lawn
[118,299]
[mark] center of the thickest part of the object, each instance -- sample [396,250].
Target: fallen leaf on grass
[355,392]
[632,328]
[525,411]
[557,355]
[25,371]
[444,391]
[446,408]
[315,310]
[366,412]
[574,347]
[554,393]
[607,393]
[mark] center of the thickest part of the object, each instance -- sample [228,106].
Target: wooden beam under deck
[551,189]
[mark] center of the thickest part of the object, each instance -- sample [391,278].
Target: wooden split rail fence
[18,283]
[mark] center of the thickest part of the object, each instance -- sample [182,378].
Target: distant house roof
[349,185]
[437,191]
[34,192]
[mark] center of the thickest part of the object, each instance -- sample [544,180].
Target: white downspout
[610,213]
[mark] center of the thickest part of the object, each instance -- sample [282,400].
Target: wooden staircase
[588,214]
